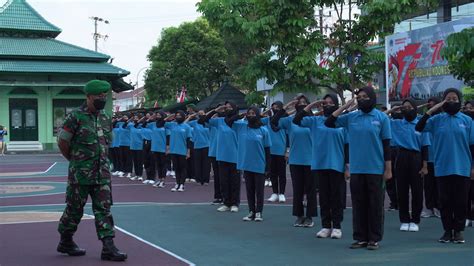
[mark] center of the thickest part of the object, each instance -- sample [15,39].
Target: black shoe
[458,237]
[217,202]
[447,237]
[392,208]
[358,244]
[373,245]
[308,222]
[299,222]
[67,246]
[110,251]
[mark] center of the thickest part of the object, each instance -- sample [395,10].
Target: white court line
[27,174]
[155,246]
[47,170]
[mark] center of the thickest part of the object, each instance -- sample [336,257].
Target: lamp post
[136,84]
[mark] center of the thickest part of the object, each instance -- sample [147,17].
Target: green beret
[96,87]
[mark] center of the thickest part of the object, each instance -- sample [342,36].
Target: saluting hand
[435,107]
[424,171]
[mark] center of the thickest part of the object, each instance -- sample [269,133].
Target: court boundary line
[20,174]
[155,246]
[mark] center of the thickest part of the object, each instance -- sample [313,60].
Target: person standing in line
[158,147]
[368,132]
[113,156]
[411,165]
[328,160]
[202,166]
[148,160]
[277,160]
[469,111]
[453,142]
[391,185]
[179,147]
[136,148]
[254,146]
[192,177]
[83,141]
[124,143]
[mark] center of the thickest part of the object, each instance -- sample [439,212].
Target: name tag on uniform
[462,126]
[376,123]
[100,133]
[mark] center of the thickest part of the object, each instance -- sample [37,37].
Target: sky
[134,27]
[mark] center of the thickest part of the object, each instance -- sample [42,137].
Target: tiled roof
[226,92]
[19,16]
[45,47]
[36,66]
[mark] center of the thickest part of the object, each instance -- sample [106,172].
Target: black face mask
[409,115]
[180,120]
[329,109]
[397,115]
[99,104]
[365,105]
[300,107]
[469,113]
[229,113]
[452,107]
[252,119]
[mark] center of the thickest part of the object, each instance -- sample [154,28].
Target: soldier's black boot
[110,251]
[67,245]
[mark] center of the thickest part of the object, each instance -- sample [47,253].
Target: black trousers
[255,185]
[202,166]
[169,166]
[453,194]
[304,183]
[230,183]
[391,185]
[137,156]
[217,182]
[367,193]
[190,165]
[118,165]
[159,164]
[111,155]
[278,173]
[148,160]
[470,202]
[431,188]
[180,166]
[408,179]
[127,162]
[331,190]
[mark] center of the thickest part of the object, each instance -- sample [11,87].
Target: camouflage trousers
[76,198]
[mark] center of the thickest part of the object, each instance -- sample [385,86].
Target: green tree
[459,51]
[193,55]
[287,38]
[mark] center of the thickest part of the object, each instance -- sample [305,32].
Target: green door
[23,120]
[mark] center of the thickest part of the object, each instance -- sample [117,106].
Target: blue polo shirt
[452,136]
[300,141]
[365,133]
[406,136]
[124,139]
[278,138]
[200,135]
[179,133]
[328,144]
[158,139]
[146,131]
[252,144]
[212,141]
[116,135]
[136,138]
[226,141]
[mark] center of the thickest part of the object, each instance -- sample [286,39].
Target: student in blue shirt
[147,154]
[328,160]
[136,147]
[430,184]
[277,151]
[254,145]
[202,166]
[179,147]
[390,185]
[191,110]
[158,147]
[303,179]
[124,143]
[114,148]
[453,142]
[368,132]
[469,111]
[226,154]
[413,154]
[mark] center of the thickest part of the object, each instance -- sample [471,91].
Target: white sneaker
[223,208]
[173,173]
[133,178]
[156,184]
[269,183]
[162,184]
[258,217]
[175,188]
[273,197]
[281,198]
[414,227]
[129,175]
[140,178]
[168,173]
[120,174]
[151,182]
[181,188]
[405,227]
[187,180]
[146,181]
[437,213]
[427,213]
[192,180]
[469,223]
[266,183]
[336,234]
[234,209]
[324,233]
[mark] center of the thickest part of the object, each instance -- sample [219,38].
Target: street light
[136,84]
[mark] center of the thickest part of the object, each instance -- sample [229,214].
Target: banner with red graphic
[414,66]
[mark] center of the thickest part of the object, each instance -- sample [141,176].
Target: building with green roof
[41,78]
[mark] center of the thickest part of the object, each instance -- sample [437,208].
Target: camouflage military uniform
[89,173]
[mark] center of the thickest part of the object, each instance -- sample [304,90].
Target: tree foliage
[287,39]
[193,55]
[459,51]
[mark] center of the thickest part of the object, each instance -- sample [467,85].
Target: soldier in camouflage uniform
[84,141]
